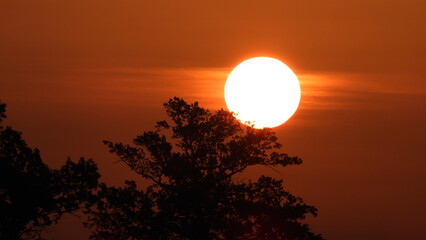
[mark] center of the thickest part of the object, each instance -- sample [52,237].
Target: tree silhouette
[32,196]
[192,164]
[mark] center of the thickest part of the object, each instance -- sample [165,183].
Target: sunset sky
[74,73]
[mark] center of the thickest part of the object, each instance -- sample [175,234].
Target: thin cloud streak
[150,87]
[338,91]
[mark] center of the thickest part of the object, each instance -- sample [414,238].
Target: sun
[263,91]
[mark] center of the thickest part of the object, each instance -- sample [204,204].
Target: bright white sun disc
[263,91]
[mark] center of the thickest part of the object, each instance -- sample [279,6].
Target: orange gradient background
[76,72]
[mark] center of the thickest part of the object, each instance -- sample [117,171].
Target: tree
[33,196]
[192,163]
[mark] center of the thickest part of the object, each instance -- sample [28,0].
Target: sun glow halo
[263,91]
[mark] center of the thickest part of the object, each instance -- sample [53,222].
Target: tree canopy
[33,196]
[191,162]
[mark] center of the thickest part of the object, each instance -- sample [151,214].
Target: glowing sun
[263,91]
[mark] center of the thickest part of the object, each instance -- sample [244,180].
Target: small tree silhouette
[32,196]
[194,194]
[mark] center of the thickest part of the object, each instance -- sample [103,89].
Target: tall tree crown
[191,161]
[209,143]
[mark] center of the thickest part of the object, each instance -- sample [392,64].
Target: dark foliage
[191,163]
[32,196]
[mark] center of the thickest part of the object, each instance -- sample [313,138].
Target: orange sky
[77,72]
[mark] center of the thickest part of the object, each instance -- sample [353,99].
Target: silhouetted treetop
[207,143]
[191,161]
[33,196]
